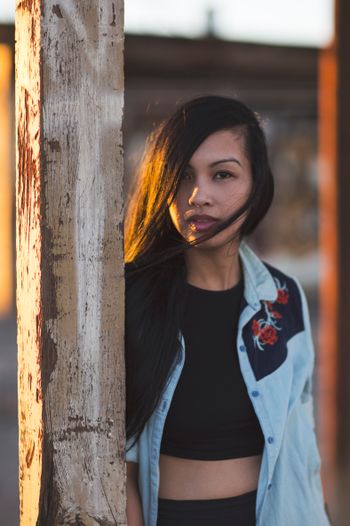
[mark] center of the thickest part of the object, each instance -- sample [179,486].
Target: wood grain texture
[28,245]
[70,294]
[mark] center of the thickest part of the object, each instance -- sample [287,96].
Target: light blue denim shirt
[276,357]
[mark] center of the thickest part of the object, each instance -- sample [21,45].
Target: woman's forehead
[220,146]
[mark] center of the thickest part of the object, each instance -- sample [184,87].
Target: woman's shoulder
[270,278]
[290,294]
[284,280]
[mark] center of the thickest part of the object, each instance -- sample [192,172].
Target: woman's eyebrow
[231,160]
[214,163]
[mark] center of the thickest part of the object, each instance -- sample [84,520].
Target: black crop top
[211,416]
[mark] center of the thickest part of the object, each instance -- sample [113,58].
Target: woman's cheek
[175,217]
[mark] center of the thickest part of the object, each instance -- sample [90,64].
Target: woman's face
[216,183]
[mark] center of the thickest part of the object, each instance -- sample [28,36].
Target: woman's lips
[202,224]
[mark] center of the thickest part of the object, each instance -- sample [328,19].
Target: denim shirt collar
[258,282]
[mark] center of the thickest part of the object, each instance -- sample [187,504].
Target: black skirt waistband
[238,510]
[237,500]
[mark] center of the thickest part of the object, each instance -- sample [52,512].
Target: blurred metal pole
[334,111]
[70,287]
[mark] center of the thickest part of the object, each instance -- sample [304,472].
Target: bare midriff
[187,479]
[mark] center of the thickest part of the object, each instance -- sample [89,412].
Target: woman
[224,435]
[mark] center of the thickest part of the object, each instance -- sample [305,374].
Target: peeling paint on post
[70,287]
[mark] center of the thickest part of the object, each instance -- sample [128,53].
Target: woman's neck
[217,269]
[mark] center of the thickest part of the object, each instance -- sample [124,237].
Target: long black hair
[154,250]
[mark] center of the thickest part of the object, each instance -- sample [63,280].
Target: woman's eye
[186,176]
[223,175]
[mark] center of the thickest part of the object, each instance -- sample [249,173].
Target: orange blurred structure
[328,236]
[334,192]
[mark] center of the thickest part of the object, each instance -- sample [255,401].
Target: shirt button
[270,440]
[242,348]
[255,393]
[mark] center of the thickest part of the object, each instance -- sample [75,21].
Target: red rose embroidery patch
[265,330]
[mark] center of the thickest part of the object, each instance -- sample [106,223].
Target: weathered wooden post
[70,289]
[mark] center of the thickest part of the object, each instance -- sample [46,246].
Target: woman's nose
[199,196]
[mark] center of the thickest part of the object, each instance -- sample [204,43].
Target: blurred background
[265,53]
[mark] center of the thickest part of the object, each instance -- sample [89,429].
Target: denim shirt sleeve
[307,394]
[132,453]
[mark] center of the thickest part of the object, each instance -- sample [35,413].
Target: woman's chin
[215,243]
